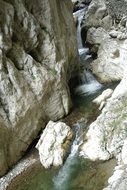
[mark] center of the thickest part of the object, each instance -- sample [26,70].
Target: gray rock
[108,42]
[96,15]
[107,136]
[22,169]
[96,36]
[37,59]
[111,61]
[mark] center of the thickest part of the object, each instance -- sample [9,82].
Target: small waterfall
[79,15]
[89,84]
[61,181]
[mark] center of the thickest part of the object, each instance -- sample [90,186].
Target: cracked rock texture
[54,143]
[37,59]
[107,134]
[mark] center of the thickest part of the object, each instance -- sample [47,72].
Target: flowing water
[77,173]
[62,180]
[89,84]
[79,15]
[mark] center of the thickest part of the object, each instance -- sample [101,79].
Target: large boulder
[95,36]
[118,181]
[97,16]
[54,143]
[112,60]
[111,54]
[106,136]
[37,59]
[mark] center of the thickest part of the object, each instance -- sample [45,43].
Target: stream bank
[83,174]
[91,177]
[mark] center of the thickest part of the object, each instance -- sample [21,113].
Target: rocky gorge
[39,55]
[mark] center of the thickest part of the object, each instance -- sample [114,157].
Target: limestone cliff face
[38,56]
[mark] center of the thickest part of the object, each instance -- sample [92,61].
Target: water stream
[62,180]
[89,84]
[79,15]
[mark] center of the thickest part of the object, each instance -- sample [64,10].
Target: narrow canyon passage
[76,173]
[68,78]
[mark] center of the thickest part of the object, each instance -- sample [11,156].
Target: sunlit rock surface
[54,143]
[106,136]
[102,99]
[37,58]
[111,62]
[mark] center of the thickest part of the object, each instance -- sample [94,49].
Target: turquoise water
[77,173]
[82,175]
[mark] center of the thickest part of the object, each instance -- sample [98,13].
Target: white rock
[96,35]
[118,180]
[93,148]
[113,33]
[111,62]
[117,175]
[107,134]
[50,144]
[124,152]
[103,97]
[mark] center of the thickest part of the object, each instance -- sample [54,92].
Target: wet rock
[80,4]
[22,169]
[53,143]
[118,180]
